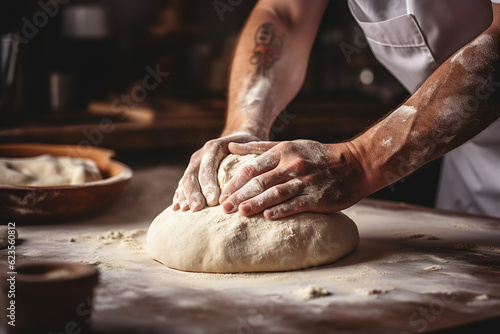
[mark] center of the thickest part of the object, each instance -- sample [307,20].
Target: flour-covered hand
[198,186]
[293,177]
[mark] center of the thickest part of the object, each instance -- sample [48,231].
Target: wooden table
[416,270]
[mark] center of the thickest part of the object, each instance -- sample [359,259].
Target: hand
[293,177]
[198,186]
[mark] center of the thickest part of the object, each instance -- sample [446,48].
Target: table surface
[415,270]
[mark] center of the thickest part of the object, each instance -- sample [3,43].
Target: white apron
[411,38]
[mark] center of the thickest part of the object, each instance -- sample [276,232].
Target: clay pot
[50,297]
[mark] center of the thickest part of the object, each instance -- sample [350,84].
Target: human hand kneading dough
[455,103]
[293,177]
[198,186]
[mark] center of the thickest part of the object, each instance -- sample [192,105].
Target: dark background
[192,40]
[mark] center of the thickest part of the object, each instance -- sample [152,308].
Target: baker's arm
[459,100]
[270,62]
[267,71]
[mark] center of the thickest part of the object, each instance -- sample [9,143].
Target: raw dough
[213,241]
[47,170]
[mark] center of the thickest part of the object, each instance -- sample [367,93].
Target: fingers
[183,204]
[188,194]
[256,167]
[257,147]
[292,206]
[271,197]
[192,193]
[176,201]
[208,174]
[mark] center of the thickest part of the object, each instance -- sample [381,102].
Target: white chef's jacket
[411,38]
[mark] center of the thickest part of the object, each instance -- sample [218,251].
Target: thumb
[255,147]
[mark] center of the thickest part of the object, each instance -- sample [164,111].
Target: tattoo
[267,50]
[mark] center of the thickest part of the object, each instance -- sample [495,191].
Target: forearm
[269,66]
[458,101]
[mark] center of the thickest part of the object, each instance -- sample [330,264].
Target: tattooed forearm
[267,50]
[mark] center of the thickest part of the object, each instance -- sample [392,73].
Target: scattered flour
[311,291]
[373,292]
[433,268]
[469,63]
[378,264]
[386,142]
[404,112]
[257,93]
[474,247]
[127,240]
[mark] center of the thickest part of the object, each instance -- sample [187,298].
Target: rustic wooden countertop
[416,270]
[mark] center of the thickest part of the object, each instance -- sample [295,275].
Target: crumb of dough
[94,263]
[433,268]
[373,292]
[111,235]
[311,291]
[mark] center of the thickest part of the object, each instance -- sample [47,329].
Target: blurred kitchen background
[148,78]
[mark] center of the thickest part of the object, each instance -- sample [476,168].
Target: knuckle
[210,188]
[213,145]
[286,145]
[299,204]
[299,164]
[295,186]
[209,143]
[196,157]
[184,183]
[309,179]
[181,196]
[259,184]
[280,192]
[196,198]
[248,171]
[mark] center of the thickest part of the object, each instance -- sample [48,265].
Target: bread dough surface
[48,170]
[213,241]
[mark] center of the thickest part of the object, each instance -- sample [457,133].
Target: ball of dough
[213,241]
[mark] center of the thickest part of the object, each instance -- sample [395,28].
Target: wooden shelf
[181,123]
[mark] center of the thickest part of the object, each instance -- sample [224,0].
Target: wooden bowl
[49,296]
[56,203]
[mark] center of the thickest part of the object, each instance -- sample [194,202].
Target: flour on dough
[48,170]
[213,241]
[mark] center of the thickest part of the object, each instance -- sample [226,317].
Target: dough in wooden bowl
[47,170]
[213,241]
